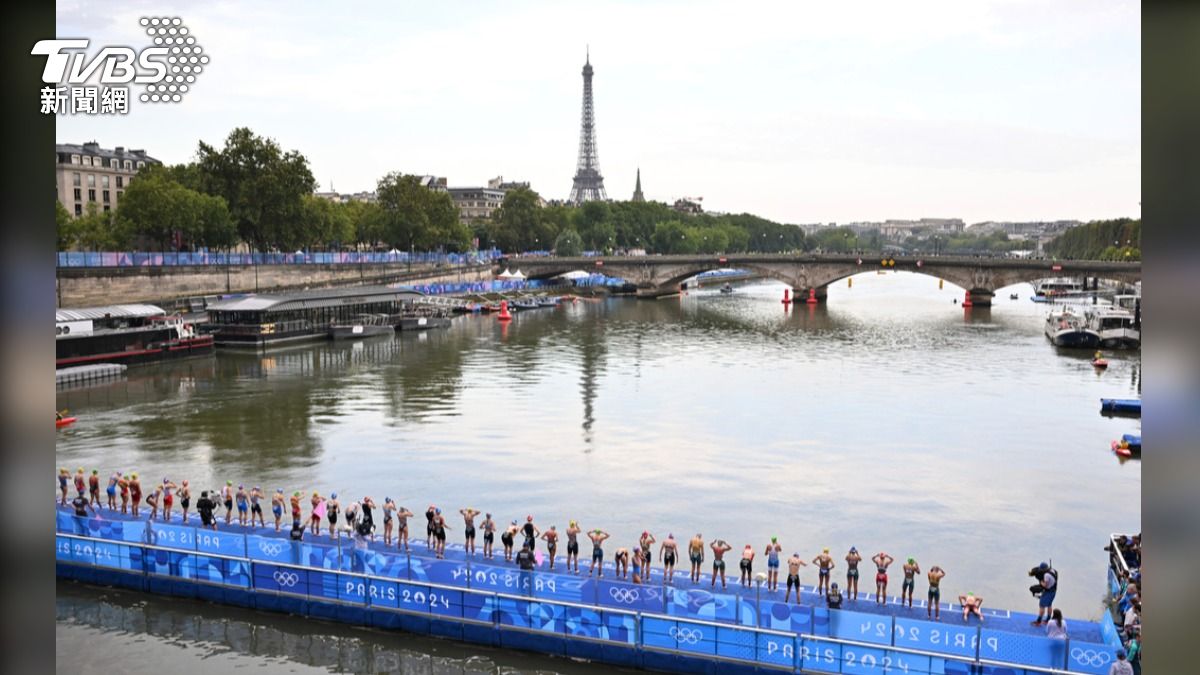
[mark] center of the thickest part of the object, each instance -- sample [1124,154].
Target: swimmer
[314,520]
[256,512]
[469,529]
[243,505]
[185,499]
[667,553]
[971,605]
[295,503]
[64,480]
[551,538]
[402,516]
[168,498]
[573,545]
[825,564]
[772,552]
[852,560]
[367,528]
[277,500]
[111,490]
[429,515]
[152,500]
[719,548]
[696,556]
[882,560]
[389,508]
[793,580]
[123,483]
[646,541]
[331,514]
[489,535]
[94,487]
[439,533]
[205,507]
[911,570]
[80,482]
[621,562]
[934,610]
[747,564]
[531,532]
[597,537]
[637,560]
[135,493]
[227,497]
[506,538]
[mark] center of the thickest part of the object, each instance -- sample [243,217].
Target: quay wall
[94,286]
[505,607]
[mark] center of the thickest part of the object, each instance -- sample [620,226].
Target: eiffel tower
[589,184]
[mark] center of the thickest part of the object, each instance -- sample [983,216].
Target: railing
[171,259]
[508,599]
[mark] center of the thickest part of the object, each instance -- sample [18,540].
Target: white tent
[577,274]
[394,251]
[518,275]
[506,274]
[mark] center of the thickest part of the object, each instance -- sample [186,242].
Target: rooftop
[320,297]
[95,150]
[110,311]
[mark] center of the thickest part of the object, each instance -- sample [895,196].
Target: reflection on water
[106,630]
[889,418]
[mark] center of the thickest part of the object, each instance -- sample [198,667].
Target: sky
[802,112]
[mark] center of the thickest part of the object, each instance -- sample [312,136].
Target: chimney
[91,145]
[120,150]
[138,152]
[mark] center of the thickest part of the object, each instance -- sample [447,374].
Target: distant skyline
[802,113]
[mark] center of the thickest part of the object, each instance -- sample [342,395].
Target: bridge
[659,275]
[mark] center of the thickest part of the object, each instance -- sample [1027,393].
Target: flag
[319,510]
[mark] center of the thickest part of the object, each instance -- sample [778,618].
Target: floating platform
[1121,406]
[90,373]
[676,627]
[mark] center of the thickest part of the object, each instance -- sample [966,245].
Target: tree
[415,217]
[97,230]
[521,215]
[262,186]
[158,209]
[568,243]
[65,226]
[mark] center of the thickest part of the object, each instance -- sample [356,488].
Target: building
[688,205]
[88,174]
[637,188]
[476,204]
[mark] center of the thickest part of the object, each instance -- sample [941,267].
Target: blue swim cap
[333,495]
[1044,566]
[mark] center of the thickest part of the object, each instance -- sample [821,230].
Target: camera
[1036,590]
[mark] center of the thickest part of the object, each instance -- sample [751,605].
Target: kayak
[66,421]
[1123,452]
[1099,363]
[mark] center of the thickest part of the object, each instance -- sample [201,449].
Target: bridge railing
[510,599]
[172,259]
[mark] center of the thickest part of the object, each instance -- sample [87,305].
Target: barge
[124,335]
[674,627]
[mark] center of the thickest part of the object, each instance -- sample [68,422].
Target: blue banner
[272,549]
[171,536]
[222,543]
[776,649]
[820,655]
[1090,657]
[1033,650]
[679,635]
[280,579]
[931,636]
[860,626]
[737,643]
[632,597]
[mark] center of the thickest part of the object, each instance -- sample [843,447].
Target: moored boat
[1116,327]
[124,334]
[362,326]
[1065,328]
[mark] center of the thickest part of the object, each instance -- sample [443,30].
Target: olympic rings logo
[1090,658]
[626,596]
[285,578]
[270,548]
[687,636]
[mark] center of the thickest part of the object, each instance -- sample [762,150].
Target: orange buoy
[812,296]
[967,300]
[504,314]
[786,300]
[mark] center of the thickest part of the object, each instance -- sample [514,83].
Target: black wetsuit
[368,521]
[489,532]
[331,514]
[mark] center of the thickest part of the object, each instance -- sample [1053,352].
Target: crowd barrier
[170,259]
[656,622]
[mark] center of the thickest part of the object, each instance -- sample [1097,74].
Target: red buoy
[967,300]
[786,300]
[812,296]
[504,315]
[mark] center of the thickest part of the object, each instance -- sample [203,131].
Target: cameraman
[1046,588]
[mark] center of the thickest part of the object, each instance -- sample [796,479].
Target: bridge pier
[800,295]
[981,297]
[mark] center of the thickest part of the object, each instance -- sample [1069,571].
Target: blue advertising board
[679,635]
[631,597]
[1090,657]
[860,627]
[931,636]
[1034,650]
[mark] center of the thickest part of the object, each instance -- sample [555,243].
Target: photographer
[1045,589]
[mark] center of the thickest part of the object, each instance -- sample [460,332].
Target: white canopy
[506,274]
[518,275]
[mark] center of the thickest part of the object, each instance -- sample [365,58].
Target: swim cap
[572,523]
[333,495]
[80,469]
[514,522]
[645,533]
[297,494]
[385,499]
[315,494]
[135,476]
[853,550]
[438,511]
[911,561]
[488,515]
[552,527]
[256,487]
[825,550]
[670,535]
[94,472]
[597,530]
[185,483]
[529,518]
[241,487]
[970,594]
[773,540]
[279,490]
[229,482]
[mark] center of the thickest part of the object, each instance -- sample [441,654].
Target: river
[888,419]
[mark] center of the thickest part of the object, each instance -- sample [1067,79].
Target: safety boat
[1117,327]
[362,326]
[1129,445]
[1065,328]
[64,421]
[727,288]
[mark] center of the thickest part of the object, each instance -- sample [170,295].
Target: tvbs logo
[167,68]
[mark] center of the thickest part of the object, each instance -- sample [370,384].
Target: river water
[889,418]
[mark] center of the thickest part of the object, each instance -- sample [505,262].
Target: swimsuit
[489,534]
[696,556]
[112,487]
[935,593]
[332,515]
[136,491]
[79,485]
[506,538]
[881,576]
[773,560]
[277,509]
[254,505]
[572,545]
[242,504]
[745,564]
[823,572]
[852,571]
[909,582]
[387,516]
[185,500]
[62,482]
[793,580]
[669,557]
[469,533]
[94,486]
[718,564]
[597,552]
[529,540]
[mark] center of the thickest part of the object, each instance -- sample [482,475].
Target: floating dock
[678,627]
[1121,406]
[90,373]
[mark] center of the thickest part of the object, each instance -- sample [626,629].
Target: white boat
[1117,327]
[1048,289]
[1065,328]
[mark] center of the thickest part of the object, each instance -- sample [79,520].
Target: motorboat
[1065,328]
[727,288]
[423,318]
[1047,290]
[361,326]
[1117,327]
[548,301]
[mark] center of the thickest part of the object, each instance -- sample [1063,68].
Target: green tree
[98,231]
[414,217]
[65,226]
[568,243]
[156,208]
[262,185]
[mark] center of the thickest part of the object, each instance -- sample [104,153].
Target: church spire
[637,190]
